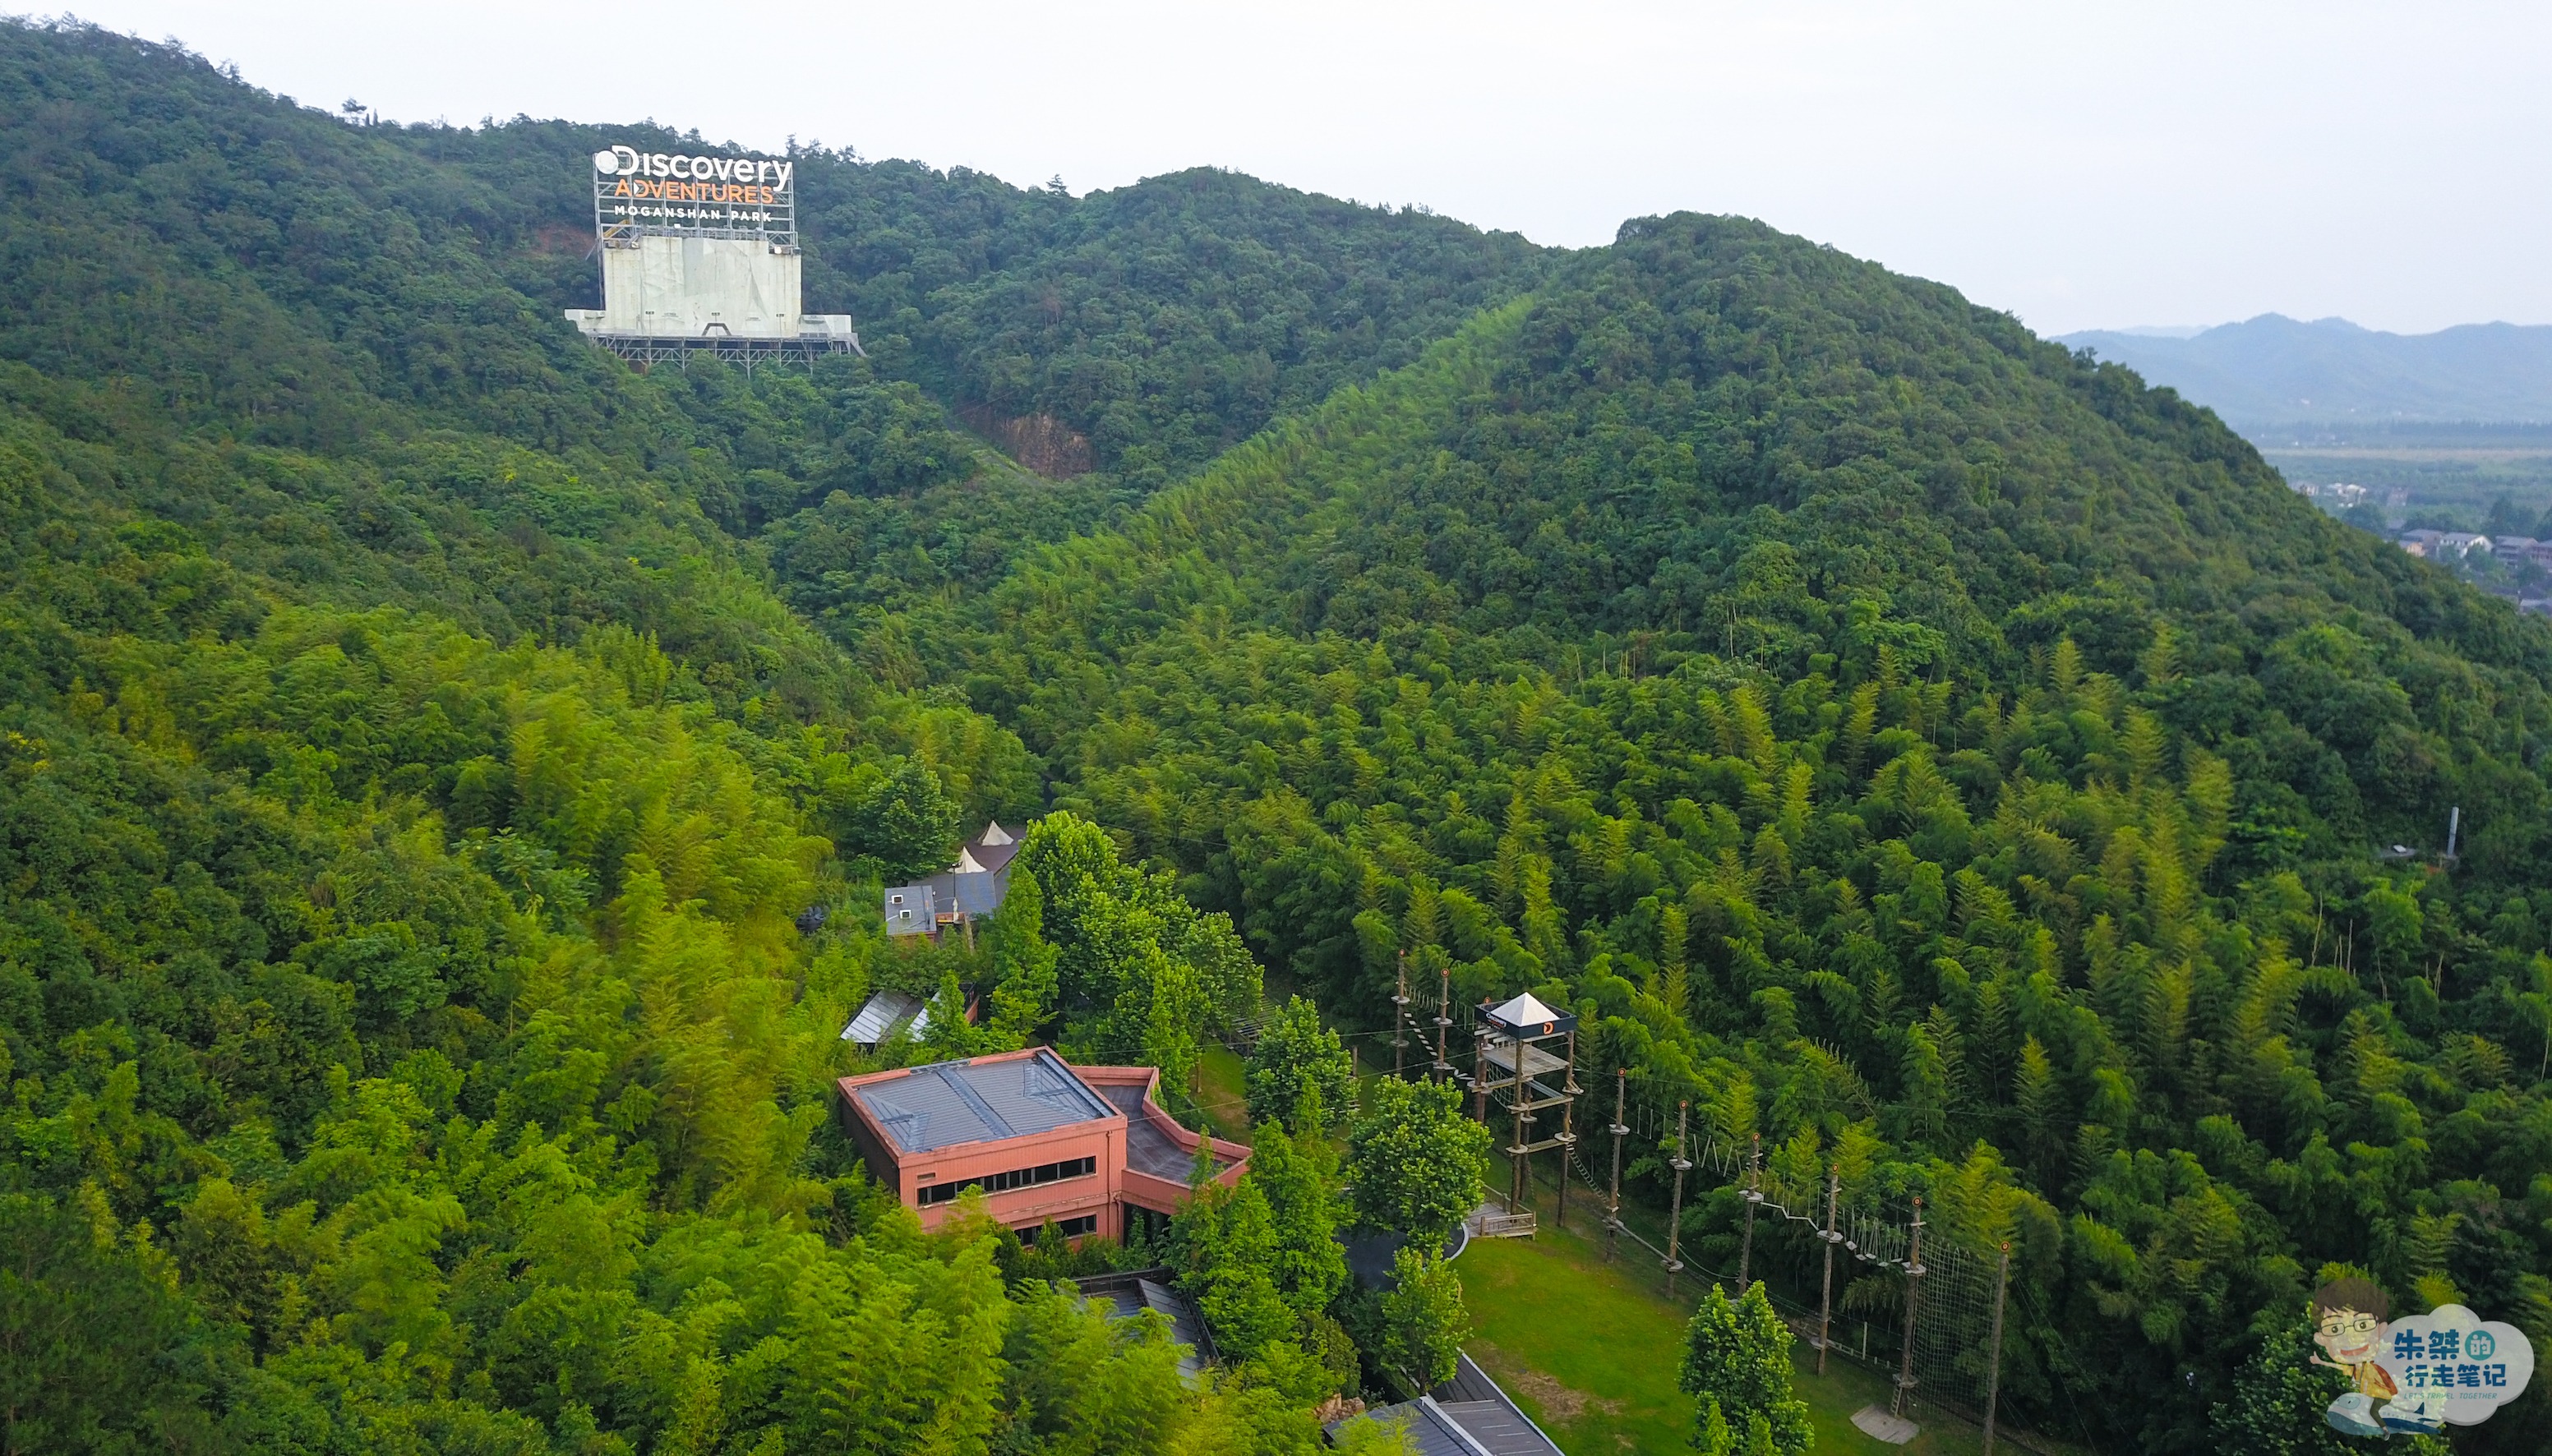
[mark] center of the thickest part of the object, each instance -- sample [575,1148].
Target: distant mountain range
[2277,371]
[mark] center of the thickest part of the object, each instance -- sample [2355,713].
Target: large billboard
[662,193]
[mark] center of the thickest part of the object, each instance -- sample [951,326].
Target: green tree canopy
[1141,976]
[1024,988]
[1423,1320]
[1737,1363]
[905,821]
[1295,1057]
[1301,1184]
[1414,1161]
[1232,1257]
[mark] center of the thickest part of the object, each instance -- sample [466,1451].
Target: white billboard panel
[637,193]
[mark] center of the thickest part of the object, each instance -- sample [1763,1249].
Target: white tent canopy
[1528,1015]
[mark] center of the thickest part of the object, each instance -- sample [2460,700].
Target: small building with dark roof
[1127,1296]
[1043,1139]
[883,1015]
[1467,1415]
[966,891]
[889,1011]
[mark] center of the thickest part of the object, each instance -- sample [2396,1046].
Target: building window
[1071,1228]
[1000,1183]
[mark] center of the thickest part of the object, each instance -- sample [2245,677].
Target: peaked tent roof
[1529,1015]
[993,850]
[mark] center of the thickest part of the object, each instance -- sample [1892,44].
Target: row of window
[1071,1228]
[996,1182]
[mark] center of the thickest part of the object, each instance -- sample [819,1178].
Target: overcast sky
[2082,165]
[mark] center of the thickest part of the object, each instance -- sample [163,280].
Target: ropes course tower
[1517,1074]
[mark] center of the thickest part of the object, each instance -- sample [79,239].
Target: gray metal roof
[911,909]
[976,893]
[1129,1295]
[1431,1430]
[1467,1415]
[1484,1410]
[995,847]
[950,1102]
[1180,1315]
[1498,1427]
[1147,1148]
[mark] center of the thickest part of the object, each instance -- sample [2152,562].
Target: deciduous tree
[1415,1162]
[1423,1320]
[1737,1363]
[1296,1054]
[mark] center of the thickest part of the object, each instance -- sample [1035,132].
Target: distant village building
[2522,551]
[2341,494]
[2443,546]
[1088,1147]
[964,893]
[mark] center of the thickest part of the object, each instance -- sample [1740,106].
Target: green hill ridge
[1909,741]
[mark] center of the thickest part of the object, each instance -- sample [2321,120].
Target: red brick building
[1084,1146]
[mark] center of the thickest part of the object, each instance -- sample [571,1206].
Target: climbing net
[1878,1263]
[1884,1260]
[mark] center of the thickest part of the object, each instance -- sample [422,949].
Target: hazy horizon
[2191,331]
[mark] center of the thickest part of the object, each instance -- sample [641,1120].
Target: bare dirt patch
[1040,443]
[1558,1404]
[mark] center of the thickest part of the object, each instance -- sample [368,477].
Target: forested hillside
[420,736]
[411,797]
[1909,741]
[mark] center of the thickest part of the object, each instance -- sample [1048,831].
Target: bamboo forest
[448,774]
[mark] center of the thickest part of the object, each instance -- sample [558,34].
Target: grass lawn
[1592,1356]
[1221,1093]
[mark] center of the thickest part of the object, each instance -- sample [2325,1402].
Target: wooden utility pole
[1993,1352]
[1521,1117]
[1620,1130]
[1444,1070]
[1400,1018]
[1754,1200]
[1674,1221]
[1913,1291]
[1567,1130]
[1832,1236]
